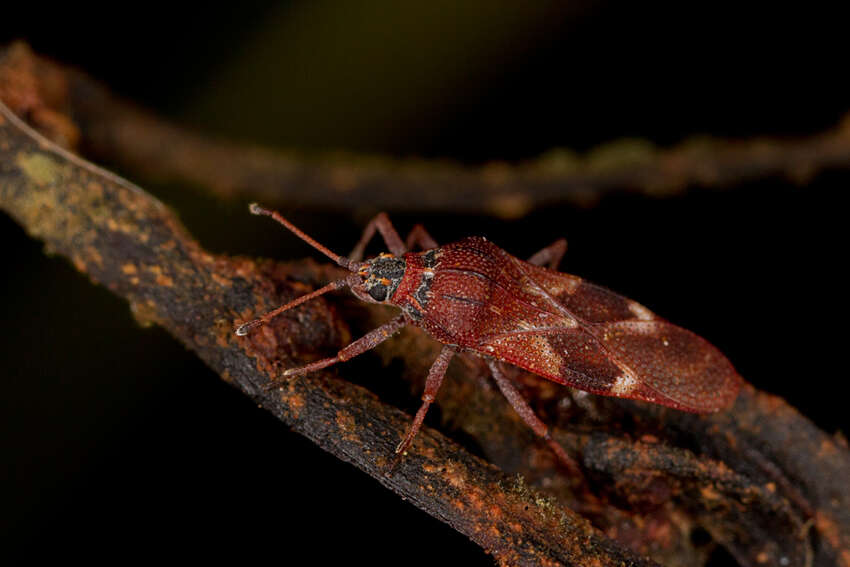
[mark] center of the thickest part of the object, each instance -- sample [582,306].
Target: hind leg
[551,255]
[420,237]
[527,414]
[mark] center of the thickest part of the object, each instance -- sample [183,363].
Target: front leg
[382,223]
[368,341]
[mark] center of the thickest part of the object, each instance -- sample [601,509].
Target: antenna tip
[244,329]
[256,209]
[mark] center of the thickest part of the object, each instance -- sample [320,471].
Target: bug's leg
[246,328]
[432,386]
[527,414]
[419,236]
[382,224]
[368,341]
[551,255]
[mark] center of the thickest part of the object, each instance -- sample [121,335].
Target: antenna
[340,260]
[256,209]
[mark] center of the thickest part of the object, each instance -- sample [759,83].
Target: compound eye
[378,292]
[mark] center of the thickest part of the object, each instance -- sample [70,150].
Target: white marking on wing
[640,311]
[625,383]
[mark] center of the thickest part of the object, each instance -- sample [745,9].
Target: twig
[114,131]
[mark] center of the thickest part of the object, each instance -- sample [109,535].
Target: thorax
[447,291]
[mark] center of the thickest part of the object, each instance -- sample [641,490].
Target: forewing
[616,347]
[569,356]
[673,366]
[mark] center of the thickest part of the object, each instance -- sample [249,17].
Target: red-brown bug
[472,296]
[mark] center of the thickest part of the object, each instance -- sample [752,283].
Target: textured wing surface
[606,344]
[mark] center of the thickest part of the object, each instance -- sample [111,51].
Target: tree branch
[114,131]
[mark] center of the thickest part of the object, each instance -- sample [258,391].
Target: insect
[474,297]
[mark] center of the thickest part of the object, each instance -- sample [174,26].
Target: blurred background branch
[118,132]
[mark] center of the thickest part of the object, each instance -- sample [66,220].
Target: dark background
[116,440]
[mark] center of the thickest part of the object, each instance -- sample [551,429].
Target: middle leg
[432,386]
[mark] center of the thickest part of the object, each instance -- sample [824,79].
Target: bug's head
[380,277]
[374,280]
